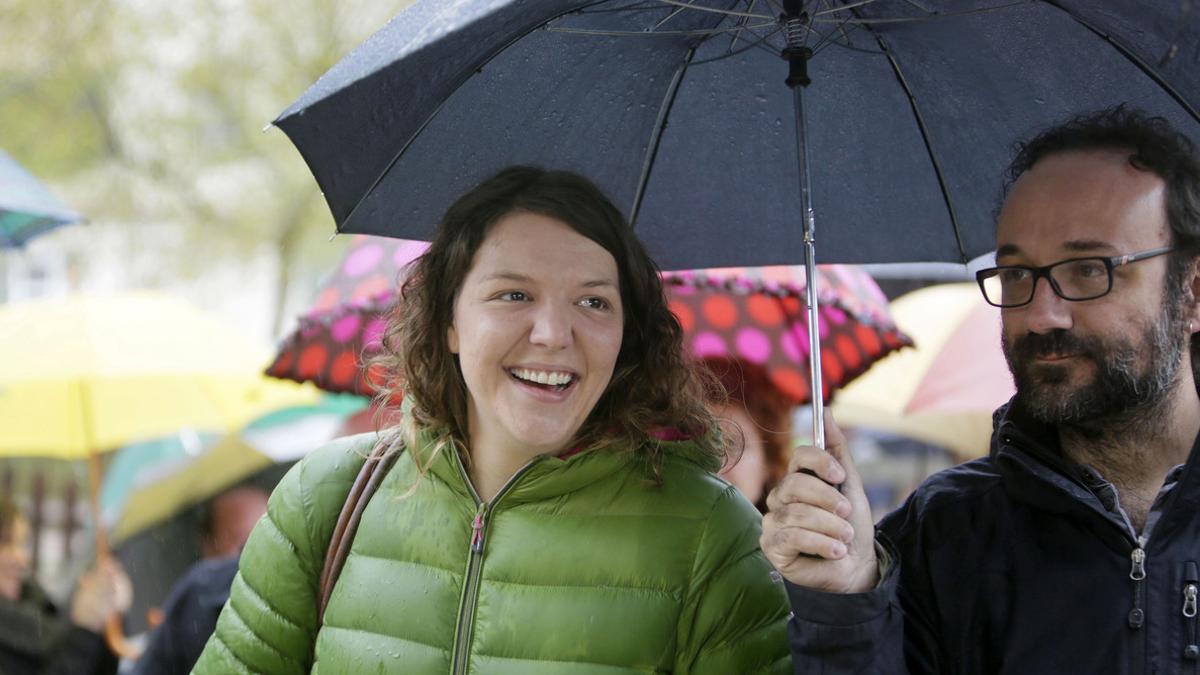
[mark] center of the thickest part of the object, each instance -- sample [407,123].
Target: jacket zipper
[1137,615]
[1191,587]
[466,612]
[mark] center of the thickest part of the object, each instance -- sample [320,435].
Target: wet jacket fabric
[578,565]
[1011,564]
[36,640]
[189,617]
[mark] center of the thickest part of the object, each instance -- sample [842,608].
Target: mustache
[1057,342]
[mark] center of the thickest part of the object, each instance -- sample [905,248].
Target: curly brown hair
[653,385]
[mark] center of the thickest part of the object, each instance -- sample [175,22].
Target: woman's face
[749,472]
[14,560]
[537,328]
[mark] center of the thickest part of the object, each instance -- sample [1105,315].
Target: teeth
[542,376]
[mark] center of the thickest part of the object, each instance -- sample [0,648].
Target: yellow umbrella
[91,373]
[87,374]
[944,389]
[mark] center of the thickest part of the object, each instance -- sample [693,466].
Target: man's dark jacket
[1011,564]
[189,617]
[36,640]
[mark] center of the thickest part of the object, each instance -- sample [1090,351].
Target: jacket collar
[1027,453]
[546,476]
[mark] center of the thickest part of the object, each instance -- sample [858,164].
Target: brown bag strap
[369,477]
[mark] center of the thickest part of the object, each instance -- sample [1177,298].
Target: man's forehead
[1083,201]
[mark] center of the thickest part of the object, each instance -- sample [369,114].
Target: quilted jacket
[578,565]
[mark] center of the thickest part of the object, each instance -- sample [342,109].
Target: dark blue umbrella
[897,116]
[27,208]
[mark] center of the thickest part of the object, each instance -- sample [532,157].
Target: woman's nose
[552,327]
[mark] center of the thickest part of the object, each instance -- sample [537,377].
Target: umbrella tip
[267,127]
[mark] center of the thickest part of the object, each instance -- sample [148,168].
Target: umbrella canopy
[942,391]
[347,320]
[27,208]
[892,119]
[758,314]
[680,112]
[91,373]
[754,313]
[160,486]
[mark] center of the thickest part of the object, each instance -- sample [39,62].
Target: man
[34,638]
[191,610]
[1075,546]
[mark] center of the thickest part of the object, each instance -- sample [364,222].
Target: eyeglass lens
[1081,279]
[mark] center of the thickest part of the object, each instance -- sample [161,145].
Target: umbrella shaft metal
[810,273]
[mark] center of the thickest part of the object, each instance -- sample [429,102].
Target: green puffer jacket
[584,566]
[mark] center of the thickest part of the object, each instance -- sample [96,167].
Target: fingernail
[843,509]
[839,550]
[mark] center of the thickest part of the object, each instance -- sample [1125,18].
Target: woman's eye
[595,303]
[513,296]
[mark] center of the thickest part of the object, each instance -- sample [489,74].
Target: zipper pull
[477,530]
[1138,571]
[1189,600]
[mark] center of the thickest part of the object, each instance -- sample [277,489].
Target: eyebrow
[525,278]
[1080,245]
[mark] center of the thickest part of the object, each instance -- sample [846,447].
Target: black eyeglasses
[1075,279]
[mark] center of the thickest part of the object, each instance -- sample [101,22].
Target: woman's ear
[452,339]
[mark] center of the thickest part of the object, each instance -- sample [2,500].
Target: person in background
[34,638]
[762,415]
[1074,547]
[191,609]
[552,506]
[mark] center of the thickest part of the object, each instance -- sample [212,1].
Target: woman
[554,508]
[761,415]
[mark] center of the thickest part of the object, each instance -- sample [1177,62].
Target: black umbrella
[678,109]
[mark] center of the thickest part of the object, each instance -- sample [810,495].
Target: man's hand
[813,534]
[102,592]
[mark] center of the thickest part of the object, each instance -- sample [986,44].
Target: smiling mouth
[551,380]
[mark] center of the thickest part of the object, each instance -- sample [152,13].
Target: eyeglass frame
[1110,263]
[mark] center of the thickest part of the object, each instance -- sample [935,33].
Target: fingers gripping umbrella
[894,117]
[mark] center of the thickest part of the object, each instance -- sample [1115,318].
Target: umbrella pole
[795,23]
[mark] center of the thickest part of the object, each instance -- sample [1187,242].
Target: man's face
[1074,362]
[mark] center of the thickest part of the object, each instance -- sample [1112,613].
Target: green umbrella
[27,208]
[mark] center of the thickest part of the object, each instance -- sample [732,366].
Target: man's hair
[1153,145]
[652,386]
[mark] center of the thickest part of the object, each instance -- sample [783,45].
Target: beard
[1133,376]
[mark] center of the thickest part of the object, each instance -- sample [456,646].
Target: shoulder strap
[369,477]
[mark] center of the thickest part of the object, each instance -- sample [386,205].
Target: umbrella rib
[933,157]
[931,17]
[660,125]
[713,10]
[1133,58]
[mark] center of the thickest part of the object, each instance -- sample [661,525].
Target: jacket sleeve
[80,651]
[735,615]
[849,633]
[270,622]
[889,629]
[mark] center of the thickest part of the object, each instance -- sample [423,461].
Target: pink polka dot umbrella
[346,322]
[754,313]
[758,314]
